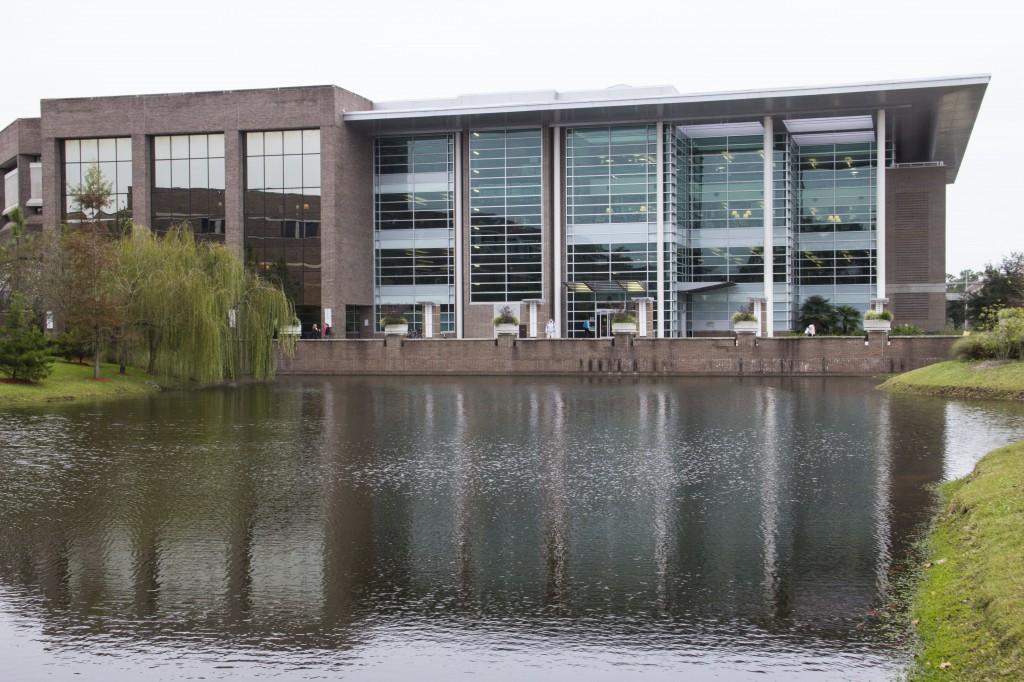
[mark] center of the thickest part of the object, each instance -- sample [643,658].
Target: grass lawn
[987,379]
[70,381]
[969,607]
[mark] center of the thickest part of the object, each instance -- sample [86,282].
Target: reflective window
[611,175]
[725,178]
[836,220]
[734,263]
[837,188]
[282,213]
[413,266]
[414,188]
[414,224]
[611,214]
[188,183]
[113,156]
[505,215]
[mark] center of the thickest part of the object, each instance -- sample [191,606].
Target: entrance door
[604,324]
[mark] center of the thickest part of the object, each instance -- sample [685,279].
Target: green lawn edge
[983,379]
[72,381]
[968,609]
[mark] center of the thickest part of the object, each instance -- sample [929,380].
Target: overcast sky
[400,50]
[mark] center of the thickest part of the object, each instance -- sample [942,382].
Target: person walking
[549,328]
[316,331]
[810,331]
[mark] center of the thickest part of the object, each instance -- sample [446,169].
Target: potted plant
[744,322]
[877,321]
[395,325]
[623,323]
[506,323]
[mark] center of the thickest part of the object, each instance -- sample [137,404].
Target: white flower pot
[745,327]
[291,330]
[507,329]
[624,328]
[877,325]
[396,329]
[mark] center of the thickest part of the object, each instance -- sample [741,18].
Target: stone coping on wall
[875,353]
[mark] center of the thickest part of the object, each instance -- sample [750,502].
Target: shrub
[393,319]
[744,316]
[976,347]
[23,347]
[876,315]
[1004,342]
[506,316]
[73,345]
[1010,315]
[622,317]
[906,330]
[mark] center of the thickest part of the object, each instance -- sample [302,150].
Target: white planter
[506,329]
[624,328]
[877,325]
[396,329]
[745,327]
[291,330]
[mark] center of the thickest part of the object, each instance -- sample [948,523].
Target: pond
[512,528]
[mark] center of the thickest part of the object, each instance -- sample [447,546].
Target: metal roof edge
[800,91]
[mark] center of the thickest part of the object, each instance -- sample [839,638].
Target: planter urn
[624,328]
[396,329]
[877,325]
[506,329]
[745,327]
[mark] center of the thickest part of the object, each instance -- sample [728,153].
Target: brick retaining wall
[643,356]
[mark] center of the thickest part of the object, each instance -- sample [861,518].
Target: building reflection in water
[314,511]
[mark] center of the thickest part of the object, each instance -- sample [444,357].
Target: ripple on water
[549,528]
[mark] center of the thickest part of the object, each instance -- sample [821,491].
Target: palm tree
[847,320]
[818,311]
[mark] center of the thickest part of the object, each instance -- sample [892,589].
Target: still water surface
[549,529]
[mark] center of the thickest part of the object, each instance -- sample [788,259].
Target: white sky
[401,50]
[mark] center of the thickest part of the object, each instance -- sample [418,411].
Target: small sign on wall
[49,320]
[327,317]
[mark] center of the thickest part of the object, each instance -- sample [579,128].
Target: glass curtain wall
[414,227]
[113,156]
[723,216]
[785,201]
[282,214]
[505,255]
[188,183]
[611,216]
[837,223]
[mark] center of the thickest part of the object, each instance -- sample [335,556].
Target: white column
[880,207]
[660,320]
[769,225]
[458,235]
[428,320]
[556,230]
[533,319]
[641,318]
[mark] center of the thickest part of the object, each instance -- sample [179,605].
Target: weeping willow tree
[196,311]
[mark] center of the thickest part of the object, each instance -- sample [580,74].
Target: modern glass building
[564,206]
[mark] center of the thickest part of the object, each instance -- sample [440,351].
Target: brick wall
[915,230]
[697,356]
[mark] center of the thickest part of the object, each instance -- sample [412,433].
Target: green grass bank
[969,605]
[979,379]
[71,381]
